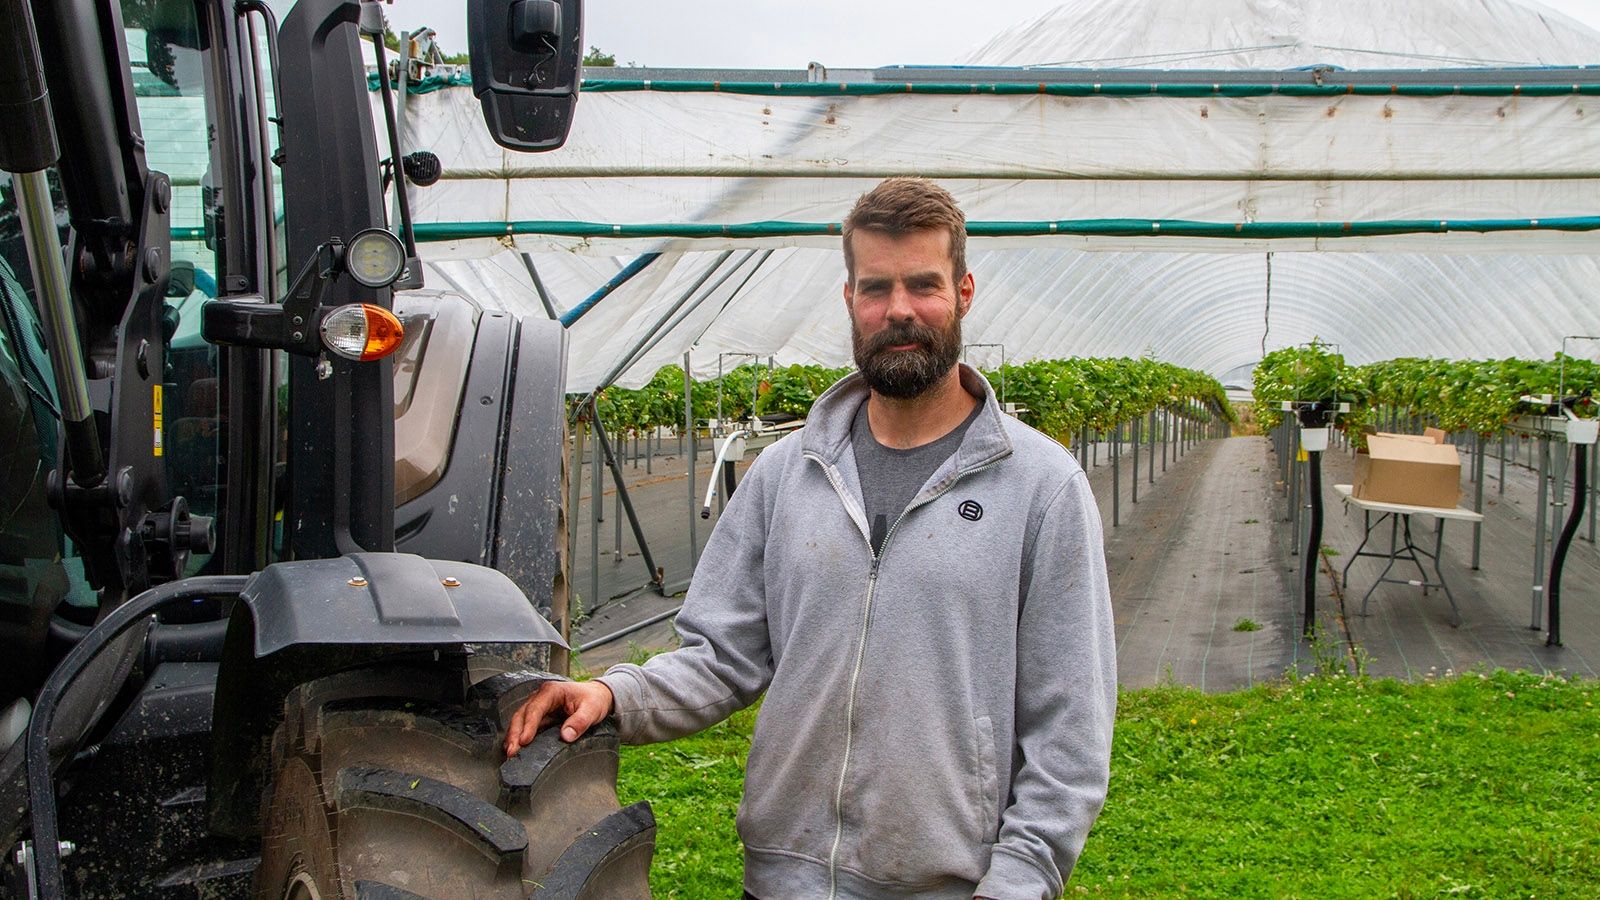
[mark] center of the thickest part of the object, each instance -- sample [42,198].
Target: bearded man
[917,583]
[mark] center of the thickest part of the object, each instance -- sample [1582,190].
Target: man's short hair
[900,206]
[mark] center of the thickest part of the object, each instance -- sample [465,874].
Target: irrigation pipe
[1580,492]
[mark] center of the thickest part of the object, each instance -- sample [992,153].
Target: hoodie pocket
[988,807]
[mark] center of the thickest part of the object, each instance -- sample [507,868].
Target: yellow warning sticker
[1301,456]
[156,409]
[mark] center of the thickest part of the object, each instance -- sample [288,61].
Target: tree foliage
[599,58]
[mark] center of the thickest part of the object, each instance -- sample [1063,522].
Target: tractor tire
[391,783]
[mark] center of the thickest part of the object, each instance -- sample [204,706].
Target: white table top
[1405,509]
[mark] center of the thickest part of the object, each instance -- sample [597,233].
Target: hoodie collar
[827,431]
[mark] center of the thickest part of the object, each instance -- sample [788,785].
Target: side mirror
[526,57]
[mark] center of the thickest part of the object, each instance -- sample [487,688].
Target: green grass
[694,785]
[1244,624]
[1477,786]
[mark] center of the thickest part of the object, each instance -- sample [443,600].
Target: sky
[789,34]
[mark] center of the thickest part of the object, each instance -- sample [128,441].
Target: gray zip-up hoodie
[938,719]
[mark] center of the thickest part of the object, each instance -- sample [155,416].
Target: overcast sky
[788,34]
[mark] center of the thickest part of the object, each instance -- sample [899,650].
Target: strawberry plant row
[1480,396]
[1059,397]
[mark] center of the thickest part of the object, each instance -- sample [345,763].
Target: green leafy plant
[1057,396]
[1061,396]
[1309,373]
[1478,396]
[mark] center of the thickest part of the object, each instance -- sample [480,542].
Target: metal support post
[1477,506]
[1133,431]
[1116,478]
[1166,436]
[1594,471]
[1502,486]
[1558,493]
[625,506]
[597,483]
[688,427]
[1539,533]
[1294,490]
[1152,465]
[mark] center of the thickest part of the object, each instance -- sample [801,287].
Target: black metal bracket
[135,534]
[252,321]
[1315,413]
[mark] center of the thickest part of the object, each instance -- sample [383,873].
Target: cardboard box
[1410,469]
[1429,435]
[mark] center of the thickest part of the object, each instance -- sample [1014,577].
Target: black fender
[302,620]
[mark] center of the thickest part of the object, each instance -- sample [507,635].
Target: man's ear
[849,299]
[964,293]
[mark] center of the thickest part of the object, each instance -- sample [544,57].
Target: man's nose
[900,308]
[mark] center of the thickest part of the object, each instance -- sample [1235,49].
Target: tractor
[281,528]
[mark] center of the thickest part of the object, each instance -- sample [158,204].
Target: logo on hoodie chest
[970,510]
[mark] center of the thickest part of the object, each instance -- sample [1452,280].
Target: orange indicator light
[362,331]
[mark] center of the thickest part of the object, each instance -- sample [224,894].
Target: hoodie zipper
[861,648]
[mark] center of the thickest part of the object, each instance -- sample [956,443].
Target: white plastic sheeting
[1287,34]
[651,158]
[655,158]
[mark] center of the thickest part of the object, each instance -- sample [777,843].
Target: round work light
[375,258]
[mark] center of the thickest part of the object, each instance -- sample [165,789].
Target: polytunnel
[1198,183]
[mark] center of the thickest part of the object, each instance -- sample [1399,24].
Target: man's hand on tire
[579,703]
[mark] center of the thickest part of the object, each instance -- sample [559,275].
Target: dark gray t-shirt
[890,477]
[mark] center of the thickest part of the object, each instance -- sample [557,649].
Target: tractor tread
[493,832]
[521,775]
[372,766]
[615,841]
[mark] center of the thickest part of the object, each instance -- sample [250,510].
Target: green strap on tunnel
[460,231]
[451,231]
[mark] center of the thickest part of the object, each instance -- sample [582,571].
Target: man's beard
[904,374]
